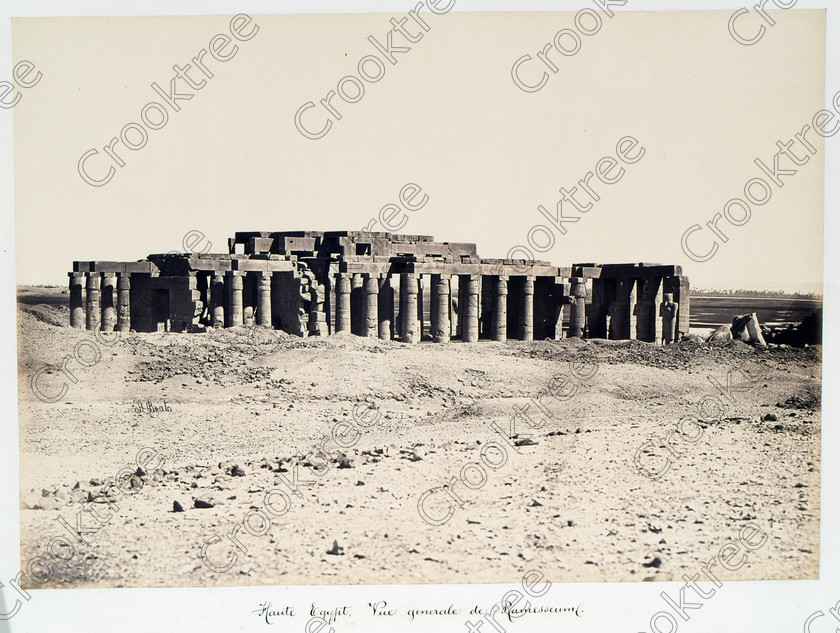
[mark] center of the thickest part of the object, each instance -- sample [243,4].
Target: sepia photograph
[435,297]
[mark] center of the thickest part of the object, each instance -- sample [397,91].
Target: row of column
[377,316]
[226,303]
[103,300]
[94,304]
[633,308]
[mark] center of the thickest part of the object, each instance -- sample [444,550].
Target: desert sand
[236,407]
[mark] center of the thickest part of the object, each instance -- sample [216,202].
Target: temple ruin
[402,287]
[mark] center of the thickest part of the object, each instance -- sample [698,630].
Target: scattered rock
[177,507]
[795,402]
[747,328]
[202,504]
[336,550]
[525,441]
[721,335]
[656,562]
[769,417]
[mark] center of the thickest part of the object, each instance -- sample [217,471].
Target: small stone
[177,507]
[656,562]
[202,504]
[527,441]
[336,550]
[769,417]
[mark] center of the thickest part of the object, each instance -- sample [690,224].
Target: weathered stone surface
[312,283]
[747,328]
[720,335]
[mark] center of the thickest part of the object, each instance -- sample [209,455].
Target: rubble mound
[808,332]
[51,315]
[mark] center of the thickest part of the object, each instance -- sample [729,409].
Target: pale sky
[447,116]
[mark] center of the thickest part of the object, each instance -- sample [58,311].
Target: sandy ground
[570,502]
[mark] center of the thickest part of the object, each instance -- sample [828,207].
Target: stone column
[234,311]
[498,328]
[357,292]
[109,311]
[469,308]
[408,308]
[386,307]
[634,295]
[217,300]
[668,311]
[264,300]
[342,304]
[329,300]
[250,297]
[463,297]
[641,310]
[527,310]
[124,303]
[454,307]
[618,311]
[683,302]
[77,306]
[657,306]
[562,297]
[317,310]
[485,306]
[441,293]
[577,315]
[597,312]
[93,313]
[421,293]
[546,299]
[370,316]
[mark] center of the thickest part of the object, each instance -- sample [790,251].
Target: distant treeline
[740,292]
